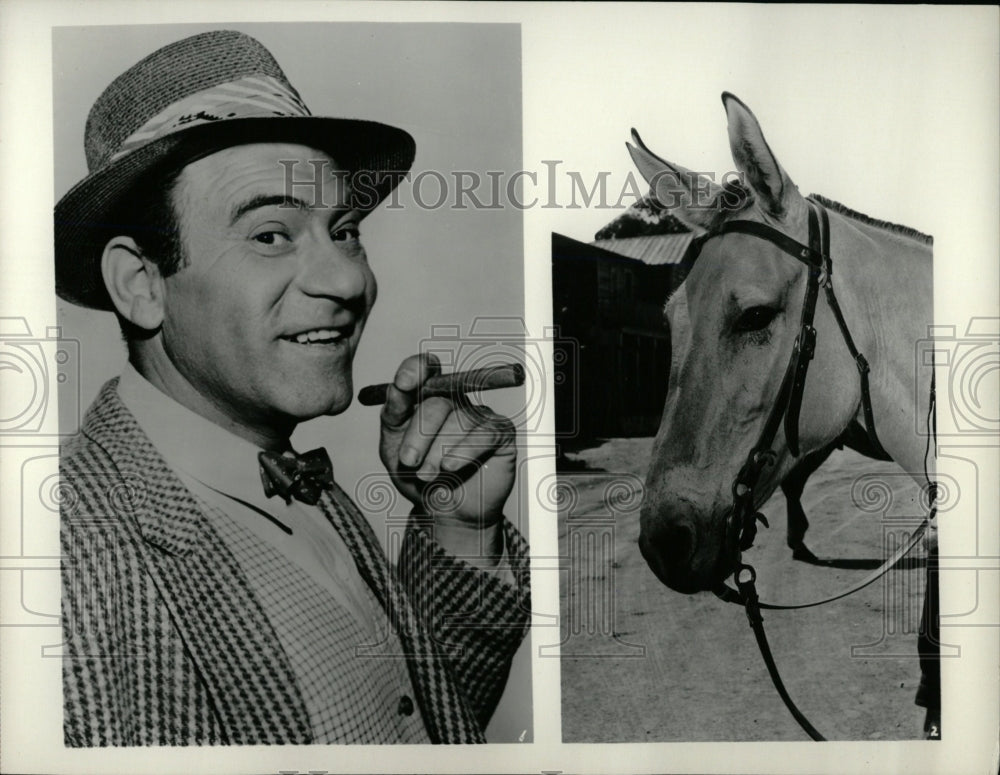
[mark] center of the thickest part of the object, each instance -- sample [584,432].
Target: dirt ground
[642,663]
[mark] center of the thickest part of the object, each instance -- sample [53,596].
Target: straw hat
[181,103]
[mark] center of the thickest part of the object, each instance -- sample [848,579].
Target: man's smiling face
[264,319]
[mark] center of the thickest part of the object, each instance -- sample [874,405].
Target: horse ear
[754,158]
[690,197]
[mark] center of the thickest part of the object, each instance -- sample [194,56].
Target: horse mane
[737,198]
[893,228]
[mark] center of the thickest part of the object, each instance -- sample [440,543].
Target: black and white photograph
[499,387]
[746,481]
[725,315]
[224,582]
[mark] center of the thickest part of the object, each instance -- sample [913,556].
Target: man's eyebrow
[265,200]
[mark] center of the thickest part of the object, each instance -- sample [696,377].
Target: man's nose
[330,269]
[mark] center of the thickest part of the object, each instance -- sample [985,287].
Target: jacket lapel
[223,625]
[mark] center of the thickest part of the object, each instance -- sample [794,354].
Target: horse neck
[884,283]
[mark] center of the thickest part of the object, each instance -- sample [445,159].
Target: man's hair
[151,219]
[154,222]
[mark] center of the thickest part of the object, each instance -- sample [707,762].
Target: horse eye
[755,319]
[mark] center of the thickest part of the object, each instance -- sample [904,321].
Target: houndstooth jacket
[166,643]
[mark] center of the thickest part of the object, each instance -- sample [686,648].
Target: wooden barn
[612,357]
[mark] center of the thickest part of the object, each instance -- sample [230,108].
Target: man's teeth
[323,335]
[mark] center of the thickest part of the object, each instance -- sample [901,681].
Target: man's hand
[453,460]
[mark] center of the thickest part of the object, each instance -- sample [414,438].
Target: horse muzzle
[684,556]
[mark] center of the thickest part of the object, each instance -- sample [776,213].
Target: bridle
[788,403]
[741,525]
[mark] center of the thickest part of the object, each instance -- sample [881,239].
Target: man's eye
[345,233]
[271,237]
[754,319]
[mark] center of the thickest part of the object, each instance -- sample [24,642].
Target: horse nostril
[669,550]
[678,545]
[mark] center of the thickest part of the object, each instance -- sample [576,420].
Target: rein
[787,406]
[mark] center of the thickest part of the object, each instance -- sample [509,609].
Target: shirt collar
[189,442]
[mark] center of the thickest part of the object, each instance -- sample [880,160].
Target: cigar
[457,383]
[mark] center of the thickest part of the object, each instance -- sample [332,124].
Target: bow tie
[291,475]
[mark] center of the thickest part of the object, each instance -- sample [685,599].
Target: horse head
[734,323]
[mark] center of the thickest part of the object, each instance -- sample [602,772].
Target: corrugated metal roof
[654,250]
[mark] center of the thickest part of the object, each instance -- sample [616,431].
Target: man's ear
[133,282]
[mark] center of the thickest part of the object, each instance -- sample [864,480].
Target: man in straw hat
[219,587]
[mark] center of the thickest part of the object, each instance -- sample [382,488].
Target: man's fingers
[402,394]
[443,439]
[424,431]
[423,440]
[493,436]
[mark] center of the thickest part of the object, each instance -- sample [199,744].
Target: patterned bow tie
[291,475]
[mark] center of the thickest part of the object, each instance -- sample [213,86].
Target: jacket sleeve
[477,618]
